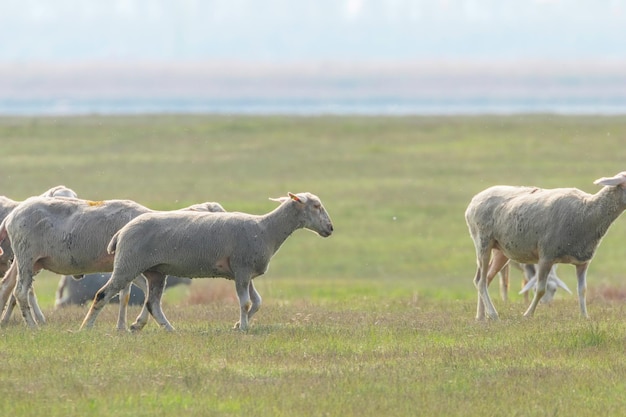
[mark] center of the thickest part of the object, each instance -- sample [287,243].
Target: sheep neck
[281,223]
[604,207]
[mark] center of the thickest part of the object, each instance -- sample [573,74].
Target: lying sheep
[71,291]
[68,237]
[236,246]
[533,225]
[6,253]
[530,281]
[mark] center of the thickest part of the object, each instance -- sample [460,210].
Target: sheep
[235,246]
[530,281]
[542,226]
[66,236]
[71,291]
[553,283]
[7,205]
[6,253]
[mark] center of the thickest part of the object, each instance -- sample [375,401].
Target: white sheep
[553,283]
[236,246]
[6,252]
[7,205]
[533,225]
[68,237]
[529,281]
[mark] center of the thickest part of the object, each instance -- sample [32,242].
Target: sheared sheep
[6,252]
[533,225]
[236,246]
[7,205]
[66,236]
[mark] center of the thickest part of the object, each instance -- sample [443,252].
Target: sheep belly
[200,269]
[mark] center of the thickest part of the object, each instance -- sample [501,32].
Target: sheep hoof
[238,327]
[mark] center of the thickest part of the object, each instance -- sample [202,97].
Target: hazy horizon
[549,51]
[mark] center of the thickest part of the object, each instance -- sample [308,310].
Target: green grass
[375,320]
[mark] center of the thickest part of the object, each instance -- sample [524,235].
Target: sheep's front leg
[8,285]
[255,297]
[483,293]
[581,274]
[243,293]
[22,288]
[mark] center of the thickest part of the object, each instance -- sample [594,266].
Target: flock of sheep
[69,236]
[536,228]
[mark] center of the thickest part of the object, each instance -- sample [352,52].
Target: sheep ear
[561,284]
[619,179]
[299,199]
[529,285]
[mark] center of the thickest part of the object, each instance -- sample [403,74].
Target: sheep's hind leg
[156,284]
[115,284]
[124,299]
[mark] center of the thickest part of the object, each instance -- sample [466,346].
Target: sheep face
[315,216]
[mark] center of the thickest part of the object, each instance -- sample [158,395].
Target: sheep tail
[113,244]
[3,233]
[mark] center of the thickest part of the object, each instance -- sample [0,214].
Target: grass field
[376,320]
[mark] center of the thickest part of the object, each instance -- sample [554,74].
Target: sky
[287,31]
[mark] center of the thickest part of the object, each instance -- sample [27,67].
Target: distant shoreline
[444,87]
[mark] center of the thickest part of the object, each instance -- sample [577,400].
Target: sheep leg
[8,311]
[480,307]
[32,299]
[114,285]
[124,299]
[8,284]
[255,297]
[22,288]
[504,283]
[499,263]
[156,284]
[542,279]
[581,274]
[529,272]
[243,293]
[483,293]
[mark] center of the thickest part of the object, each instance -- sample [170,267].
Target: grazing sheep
[544,227]
[530,281]
[236,246]
[6,253]
[553,283]
[66,236]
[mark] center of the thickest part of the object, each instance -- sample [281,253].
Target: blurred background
[312,56]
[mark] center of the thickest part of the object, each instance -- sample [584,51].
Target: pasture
[376,320]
